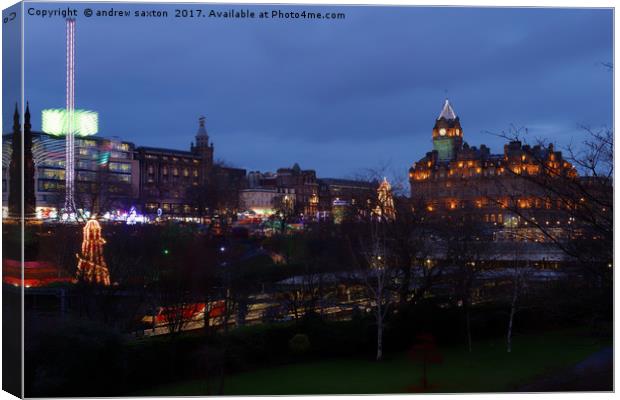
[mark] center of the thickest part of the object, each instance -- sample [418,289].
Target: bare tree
[519,277]
[378,268]
[581,195]
[467,249]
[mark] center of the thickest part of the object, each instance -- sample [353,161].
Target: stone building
[336,196]
[187,184]
[303,184]
[456,180]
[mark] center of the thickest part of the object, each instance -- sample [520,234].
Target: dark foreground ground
[595,373]
[552,361]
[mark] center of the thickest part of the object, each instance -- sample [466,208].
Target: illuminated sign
[55,121]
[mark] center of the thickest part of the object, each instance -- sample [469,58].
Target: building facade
[303,183]
[456,180]
[292,188]
[338,196]
[113,176]
[187,184]
[105,170]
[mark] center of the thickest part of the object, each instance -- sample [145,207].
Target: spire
[447,112]
[16,126]
[202,131]
[27,125]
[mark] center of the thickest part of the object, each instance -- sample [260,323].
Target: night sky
[334,96]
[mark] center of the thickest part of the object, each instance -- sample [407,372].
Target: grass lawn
[487,369]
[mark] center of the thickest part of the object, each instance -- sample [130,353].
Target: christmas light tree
[92,267]
[385,206]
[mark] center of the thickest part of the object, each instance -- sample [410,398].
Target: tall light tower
[69,122]
[70,208]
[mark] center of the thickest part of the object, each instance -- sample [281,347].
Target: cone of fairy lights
[92,267]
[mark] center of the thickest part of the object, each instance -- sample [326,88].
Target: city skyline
[306,91]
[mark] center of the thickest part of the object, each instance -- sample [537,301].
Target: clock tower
[447,133]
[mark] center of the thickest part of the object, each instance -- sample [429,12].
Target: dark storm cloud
[336,96]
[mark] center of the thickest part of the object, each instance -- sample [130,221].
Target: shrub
[299,344]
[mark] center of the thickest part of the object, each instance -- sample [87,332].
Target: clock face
[442,132]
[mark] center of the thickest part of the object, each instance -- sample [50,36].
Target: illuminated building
[458,181]
[299,187]
[112,175]
[186,184]
[262,201]
[314,198]
[165,177]
[105,170]
[304,185]
[267,191]
[91,266]
[336,196]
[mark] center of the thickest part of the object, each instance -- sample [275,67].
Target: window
[86,164]
[51,174]
[86,176]
[119,146]
[121,178]
[86,143]
[120,167]
[119,154]
[51,186]
[52,163]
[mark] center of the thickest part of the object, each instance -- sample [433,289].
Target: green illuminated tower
[447,133]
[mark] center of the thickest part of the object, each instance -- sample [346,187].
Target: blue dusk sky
[336,96]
